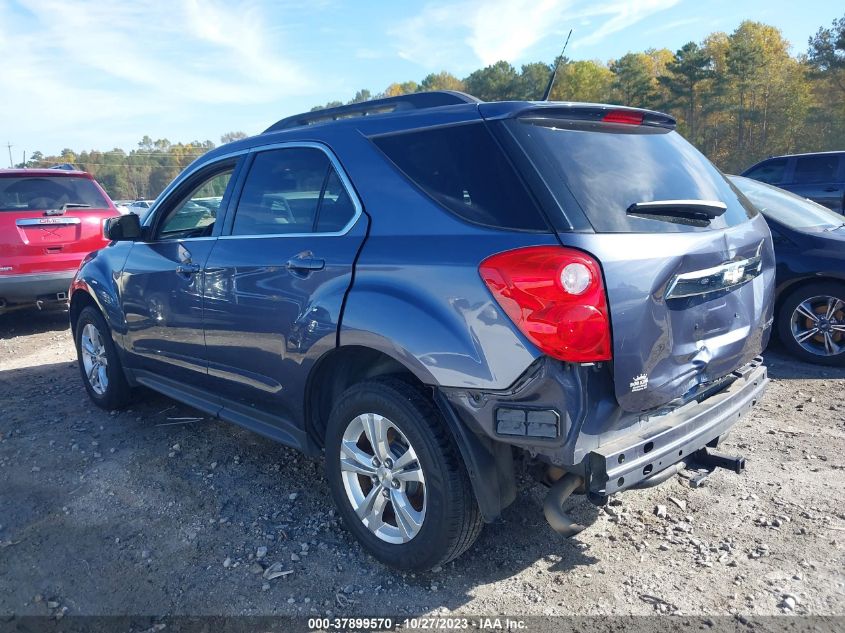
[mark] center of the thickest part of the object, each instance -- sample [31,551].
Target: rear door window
[463,169]
[49,192]
[771,172]
[606,169]
[816,169]
[336,208]
[292,191]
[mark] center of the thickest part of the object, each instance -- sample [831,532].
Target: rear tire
[811,323]
[99,363]
[425,515]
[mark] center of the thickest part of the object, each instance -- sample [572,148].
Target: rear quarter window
[464,169]
[607,168]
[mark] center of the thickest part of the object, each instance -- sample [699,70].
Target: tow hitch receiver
[712,459]
[708,461]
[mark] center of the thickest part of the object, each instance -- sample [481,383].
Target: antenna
[548,91]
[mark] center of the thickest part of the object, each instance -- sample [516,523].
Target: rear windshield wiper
[700,210]
[67,205]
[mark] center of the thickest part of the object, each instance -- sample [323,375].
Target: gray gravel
[160,510]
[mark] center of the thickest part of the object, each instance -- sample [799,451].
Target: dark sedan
[810,252]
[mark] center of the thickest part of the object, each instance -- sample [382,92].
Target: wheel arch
[79,300]
[336,371]
[490,465]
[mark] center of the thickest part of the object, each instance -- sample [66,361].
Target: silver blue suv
[430,292]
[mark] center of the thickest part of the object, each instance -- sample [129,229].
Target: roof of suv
[836,151]
[444,106]
[410,103]
[388,105]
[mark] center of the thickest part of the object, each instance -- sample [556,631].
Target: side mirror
[124,228]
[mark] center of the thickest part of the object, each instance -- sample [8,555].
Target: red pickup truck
[49,220]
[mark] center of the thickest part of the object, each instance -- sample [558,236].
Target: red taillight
[626,117]
[528,284]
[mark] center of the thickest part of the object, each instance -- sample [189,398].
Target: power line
[161,152]
[85,162]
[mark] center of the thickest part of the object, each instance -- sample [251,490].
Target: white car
[140,207]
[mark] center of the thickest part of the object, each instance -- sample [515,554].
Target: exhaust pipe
[553,505]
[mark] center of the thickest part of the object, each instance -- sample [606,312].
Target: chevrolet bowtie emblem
[734,274]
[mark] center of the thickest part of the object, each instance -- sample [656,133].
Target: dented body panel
[665,348]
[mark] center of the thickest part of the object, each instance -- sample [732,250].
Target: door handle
[188,269]
[302,264]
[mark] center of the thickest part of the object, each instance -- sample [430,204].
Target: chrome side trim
[721,277]
[49,221]
[344,179]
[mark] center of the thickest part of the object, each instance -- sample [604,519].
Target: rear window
[816,169]
[609,168]
[463,169]
[49,192]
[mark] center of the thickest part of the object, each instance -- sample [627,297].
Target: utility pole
[9,146]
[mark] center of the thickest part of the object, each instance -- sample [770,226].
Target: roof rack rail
[413,101]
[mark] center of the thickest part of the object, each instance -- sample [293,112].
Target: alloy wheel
[94,359]
[383,478]
[818,325]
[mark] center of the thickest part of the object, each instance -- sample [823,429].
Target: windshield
[49,192]
[609,168]
[785,207]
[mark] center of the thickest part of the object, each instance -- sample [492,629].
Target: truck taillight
[556,297]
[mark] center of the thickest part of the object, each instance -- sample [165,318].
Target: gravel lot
[140,512]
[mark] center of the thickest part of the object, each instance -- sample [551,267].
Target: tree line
[138,174]
[738,97]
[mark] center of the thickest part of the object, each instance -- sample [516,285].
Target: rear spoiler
[577,113]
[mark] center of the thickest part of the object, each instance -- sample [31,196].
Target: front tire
[811,323]
[99,364]
[397,477]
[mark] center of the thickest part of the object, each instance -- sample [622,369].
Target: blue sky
[99,74]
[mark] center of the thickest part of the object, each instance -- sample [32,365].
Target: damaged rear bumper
[636,457]
[566,417]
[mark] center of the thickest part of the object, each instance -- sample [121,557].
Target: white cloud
[463,34]
[620,15]
[84,68]
[505,30]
